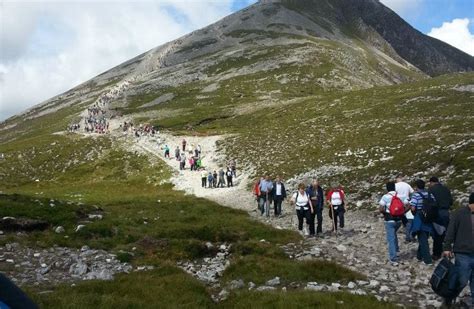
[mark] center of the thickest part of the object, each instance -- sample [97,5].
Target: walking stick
[334,227]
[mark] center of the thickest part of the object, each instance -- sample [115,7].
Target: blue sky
[50,46]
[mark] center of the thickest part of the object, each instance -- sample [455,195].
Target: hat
[471,198]
[434,179]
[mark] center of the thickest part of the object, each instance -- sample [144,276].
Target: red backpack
[396,208]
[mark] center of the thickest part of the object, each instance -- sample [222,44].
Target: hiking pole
[334,227]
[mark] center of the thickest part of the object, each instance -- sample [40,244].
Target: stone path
[360,246]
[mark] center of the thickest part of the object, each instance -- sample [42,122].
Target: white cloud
[457,34]
[401,6]
[54,46]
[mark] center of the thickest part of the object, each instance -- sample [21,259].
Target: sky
[50,46]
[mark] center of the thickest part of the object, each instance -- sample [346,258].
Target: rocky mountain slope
[272,50]
[343,90]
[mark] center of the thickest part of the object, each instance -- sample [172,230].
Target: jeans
[277,205]
[423,252]
[264,204]
[408,236]
[229,182]
[465,266]
[391,228]
[303,214]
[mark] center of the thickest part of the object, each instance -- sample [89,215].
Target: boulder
[59,230]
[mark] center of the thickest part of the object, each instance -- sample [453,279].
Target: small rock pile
[208,270]
[55,265]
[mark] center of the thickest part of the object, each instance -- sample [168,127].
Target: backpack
[429,212]
[444,280]
[396,208]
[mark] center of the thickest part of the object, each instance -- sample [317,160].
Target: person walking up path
[404,192]
[421,227]
[266,187]
[459,242]
[390,205]
[316,194]
[336,201]
[203,179]
[303,207]
[229,178]
[444,200]
[279,195]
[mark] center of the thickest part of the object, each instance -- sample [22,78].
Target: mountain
[342,90]
[269,51]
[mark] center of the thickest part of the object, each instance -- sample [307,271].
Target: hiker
[336,200]
[392,208]
[459,242]
[229,178]
[278,195]
[266,187]
[404,192]
[233,167]
[176,153]
[214,179]
[199,150]
[421,226]
[184,145]
[203,179]
[316,194]
[191,163]
[221,182]
[198,164]
[444,202]
[167,152]
[182,164]
[256,192]
[303,207]
[210,180]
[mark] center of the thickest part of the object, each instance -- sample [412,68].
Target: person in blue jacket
[421,229]
[316,194]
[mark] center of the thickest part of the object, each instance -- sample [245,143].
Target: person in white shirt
[279,195]
[392,224]
[303,206]
[404,192]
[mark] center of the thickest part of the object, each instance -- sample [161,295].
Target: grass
[139,211]
[168,287]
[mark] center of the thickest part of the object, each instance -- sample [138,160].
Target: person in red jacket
[256,192]
[336,201]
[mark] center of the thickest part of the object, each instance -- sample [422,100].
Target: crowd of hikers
[424,211]
[192,156]
[96,120]
[308,201]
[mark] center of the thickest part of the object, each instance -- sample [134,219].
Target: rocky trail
[360,246]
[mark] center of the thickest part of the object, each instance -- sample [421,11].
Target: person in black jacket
[460,241]
[12,296]
[316,195]
[444,200]
[279,195]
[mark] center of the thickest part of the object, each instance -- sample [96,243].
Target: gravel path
[360,246]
